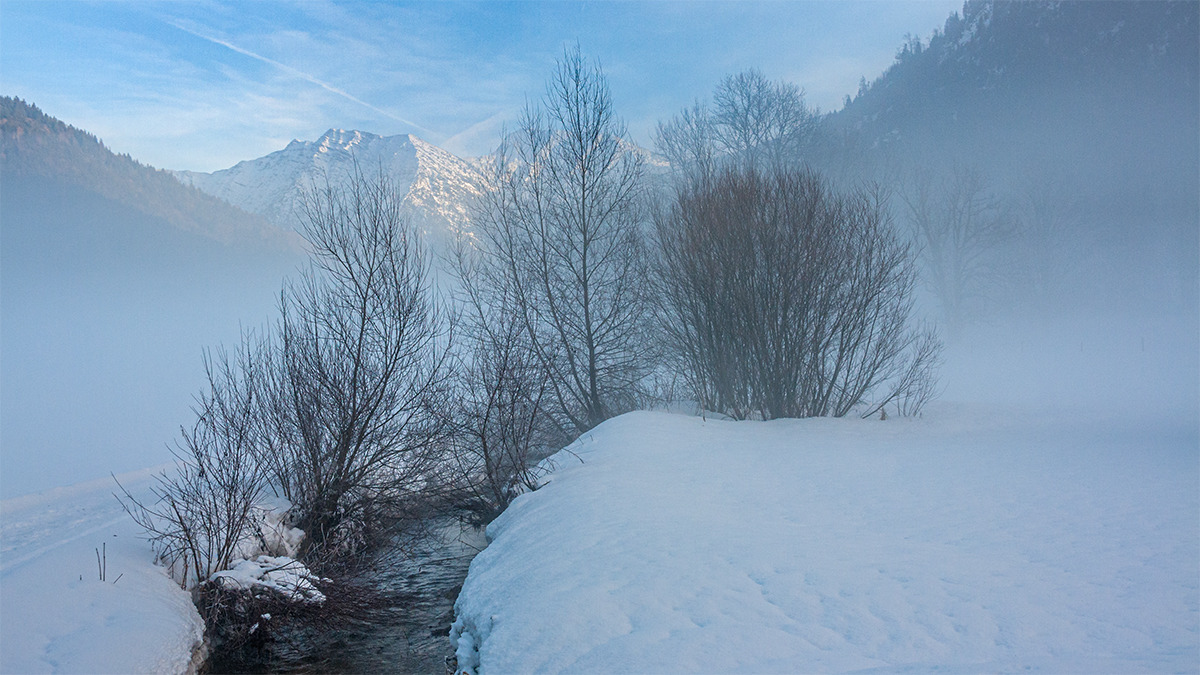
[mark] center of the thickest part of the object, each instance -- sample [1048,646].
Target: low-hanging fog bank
[1135,366]
[1067,134]
[1100,314]
[105,317]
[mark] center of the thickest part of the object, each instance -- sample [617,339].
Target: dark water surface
[408,635]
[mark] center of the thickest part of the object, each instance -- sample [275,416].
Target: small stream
[413,635]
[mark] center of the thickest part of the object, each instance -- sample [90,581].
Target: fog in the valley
[1085,295]
[1055,216]
[1079,291]
[1049,175]
[106,313]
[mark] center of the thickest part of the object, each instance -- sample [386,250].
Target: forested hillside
[33,143]
[1071,129]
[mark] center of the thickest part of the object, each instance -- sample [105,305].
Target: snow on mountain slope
[56,615]
[968,541]
[438,184]
[443,187]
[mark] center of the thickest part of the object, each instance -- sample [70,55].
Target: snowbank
[285,576]
[962,542]
[56,615]
[272,533]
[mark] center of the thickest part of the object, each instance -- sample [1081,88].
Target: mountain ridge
[33,143]
[437,184]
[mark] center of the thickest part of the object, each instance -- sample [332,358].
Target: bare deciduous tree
[688,142]
[201,514]
[359,384]
[753,122]
[1048,249]
[958,226]
[763,123]
[562,232]
[502,417]
[783,299]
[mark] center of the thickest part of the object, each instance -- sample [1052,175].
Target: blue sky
[203,85]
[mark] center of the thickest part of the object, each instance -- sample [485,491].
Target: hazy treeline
[34,144]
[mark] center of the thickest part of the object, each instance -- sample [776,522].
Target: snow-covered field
[976,539]
[55,613]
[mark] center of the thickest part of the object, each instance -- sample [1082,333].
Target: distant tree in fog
[959,227]
[783,298]
[752,122]
[1048,216]
[688,142]
[562,232]
[760,122]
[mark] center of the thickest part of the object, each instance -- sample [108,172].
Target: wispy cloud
[304,76]
[480,138]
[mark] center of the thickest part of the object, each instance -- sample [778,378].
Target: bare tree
[562,232]
[781,298]
[959,227]
[502,420]
[753,122]
[763,123]
[360,374]
[688,142]
[1048,250]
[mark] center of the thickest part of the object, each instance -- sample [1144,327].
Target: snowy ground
[55,613]
[973,540]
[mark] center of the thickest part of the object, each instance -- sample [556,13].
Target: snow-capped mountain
[439,185]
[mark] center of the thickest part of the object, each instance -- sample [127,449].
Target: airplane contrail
[487,125]
[302,75]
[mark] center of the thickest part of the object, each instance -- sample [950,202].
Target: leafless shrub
[359,378]
[781,298]
[201,513]
[918,383]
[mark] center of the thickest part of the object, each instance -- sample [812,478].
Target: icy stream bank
[405,633]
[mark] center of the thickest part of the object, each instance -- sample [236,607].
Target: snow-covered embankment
[962,541]
[56,615]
